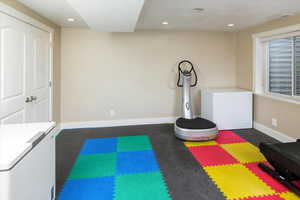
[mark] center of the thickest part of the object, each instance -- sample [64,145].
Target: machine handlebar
[186,73]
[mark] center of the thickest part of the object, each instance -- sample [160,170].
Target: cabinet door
[13,66]
[39,75]
[24,72]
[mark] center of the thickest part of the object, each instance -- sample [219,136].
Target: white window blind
[280,63]
[297,64]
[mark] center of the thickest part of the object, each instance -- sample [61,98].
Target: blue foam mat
[136,162]
[99,145]
[88,189]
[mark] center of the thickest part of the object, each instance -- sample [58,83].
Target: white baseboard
[272,133]
[114,123]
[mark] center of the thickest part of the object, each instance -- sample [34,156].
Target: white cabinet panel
[12,62]
[42,111]
[13,87]
[14,118]
[41,63]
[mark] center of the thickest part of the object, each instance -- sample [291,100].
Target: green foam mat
[133,143]
[94,165]
[144,186]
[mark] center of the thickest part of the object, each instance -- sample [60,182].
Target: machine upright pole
[186,96]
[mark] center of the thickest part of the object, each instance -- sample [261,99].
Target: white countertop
[224,90]
[16,140]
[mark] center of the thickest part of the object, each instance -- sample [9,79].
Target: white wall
[133,73]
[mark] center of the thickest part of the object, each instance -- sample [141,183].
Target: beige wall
[56,54]
[288,114]
[132,72]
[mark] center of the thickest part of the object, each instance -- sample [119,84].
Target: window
[277,63]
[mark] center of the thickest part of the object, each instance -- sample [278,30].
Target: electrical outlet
[274,122]
[112,112]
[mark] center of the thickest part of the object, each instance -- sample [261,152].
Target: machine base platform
[206,129]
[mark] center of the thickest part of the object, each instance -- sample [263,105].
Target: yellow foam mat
[236,181]
[244,152]
[204,143]
[289,196]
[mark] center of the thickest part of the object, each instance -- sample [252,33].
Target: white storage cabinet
[229,108]
[27,161]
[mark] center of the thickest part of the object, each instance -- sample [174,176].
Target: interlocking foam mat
[123,168]
[231,163]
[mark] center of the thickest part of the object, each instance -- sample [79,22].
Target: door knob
[33,98]
[28,100]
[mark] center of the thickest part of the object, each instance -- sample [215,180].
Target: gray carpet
[184,177]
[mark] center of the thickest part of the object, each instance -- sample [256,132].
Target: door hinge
[50,83]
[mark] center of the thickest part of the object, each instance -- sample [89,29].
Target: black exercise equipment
[285,159]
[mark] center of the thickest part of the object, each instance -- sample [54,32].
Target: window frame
[261,63]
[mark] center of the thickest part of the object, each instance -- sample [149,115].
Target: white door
[39,75]
[24,72]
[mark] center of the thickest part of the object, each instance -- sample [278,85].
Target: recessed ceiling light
[165,23]
[198,9]
[285,15]
[71,19]
[230,25]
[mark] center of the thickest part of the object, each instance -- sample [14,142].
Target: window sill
[279,98]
